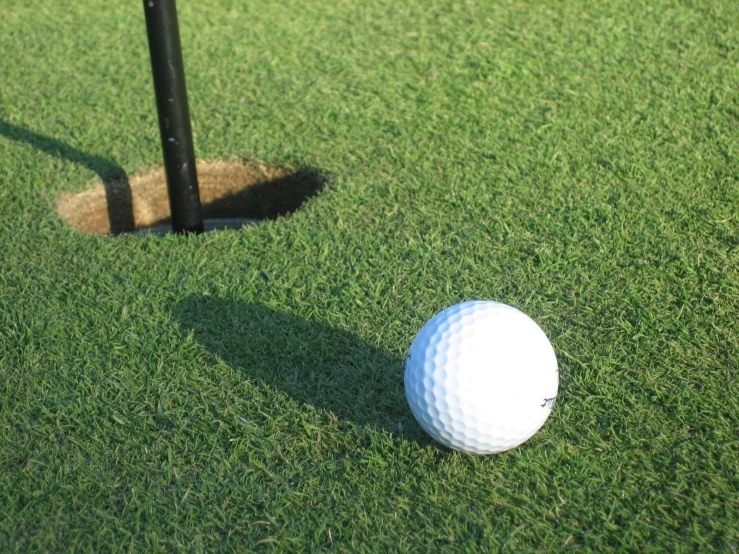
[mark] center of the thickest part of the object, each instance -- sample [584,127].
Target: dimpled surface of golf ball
[481,377]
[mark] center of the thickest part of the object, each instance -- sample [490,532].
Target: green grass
[242,391]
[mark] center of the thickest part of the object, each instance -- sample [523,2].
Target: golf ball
[481,377]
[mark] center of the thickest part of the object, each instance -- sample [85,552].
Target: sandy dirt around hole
[228,189]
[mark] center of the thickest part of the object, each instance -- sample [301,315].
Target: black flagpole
[174,116]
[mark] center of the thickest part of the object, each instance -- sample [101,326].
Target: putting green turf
[242,390]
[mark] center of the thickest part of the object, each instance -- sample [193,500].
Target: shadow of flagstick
[118,197]
[313,363]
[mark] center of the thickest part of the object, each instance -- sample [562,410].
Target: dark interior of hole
[119,203]
[267,199]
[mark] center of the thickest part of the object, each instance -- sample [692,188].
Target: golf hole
[233,194]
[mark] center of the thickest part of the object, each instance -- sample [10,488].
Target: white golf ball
[481,377]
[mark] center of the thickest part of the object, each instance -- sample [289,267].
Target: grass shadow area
[118,205]
[315,364]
